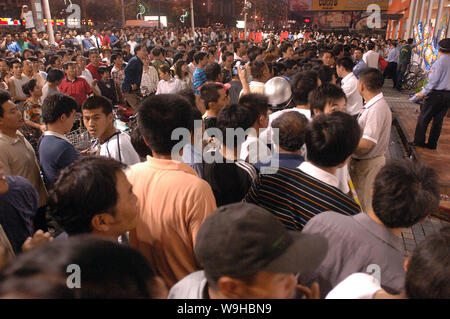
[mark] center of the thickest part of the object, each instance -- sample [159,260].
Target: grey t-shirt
[192,286]
[356,244]
[48,91]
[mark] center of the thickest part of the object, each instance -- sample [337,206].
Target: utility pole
[159,14]
[245,19]
[192,19]
[36,7]
[122,7]
[48,16]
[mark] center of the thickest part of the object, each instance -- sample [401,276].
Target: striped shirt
[295,197]
[199,79]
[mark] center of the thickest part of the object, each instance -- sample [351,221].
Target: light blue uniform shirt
[393,55]
[439,78]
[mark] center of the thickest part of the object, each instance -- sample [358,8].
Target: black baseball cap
[240,240]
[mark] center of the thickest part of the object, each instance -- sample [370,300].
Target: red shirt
[106,41]
[79,89]
[94,70]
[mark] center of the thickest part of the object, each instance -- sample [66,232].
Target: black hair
[331,139]
[56,105]
[323,95]
[302,84]
[103,69]
[253,53]
[158,116]
[189,94]
[257,104]
[284,47]
[53,59]
[428,274]
[359,49]
[28,87]
[346,62]
[14,61]
[337,49]
[210,93]
[200,56]
[370,46]
[257,69]
[5,96]
[226,55]
[54,75]
[179,64]
[372,78]
[291,127]
[96,102]
[325,74]
[108,270]
[233,116]
[213,72]
[156,51]
[67,64]
[114,56]
[404,193]
[323,52]
[74,198]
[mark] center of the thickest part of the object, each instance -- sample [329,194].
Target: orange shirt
[173,203]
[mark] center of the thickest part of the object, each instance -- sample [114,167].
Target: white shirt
[371,59]
[319,174]
[255,87]
[86,74]
[132,44]
[121,149]
[255,149]
[149,80]
[354,99]
[169,87]
[356,286]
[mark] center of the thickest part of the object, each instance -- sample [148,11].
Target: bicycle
[413,76]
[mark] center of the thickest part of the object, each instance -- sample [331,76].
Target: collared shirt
[117,75]
[79,89]
[173,203]
[194,286]
[376,121]
[55,153]
[393,55]
[361,65]
[355,244]
[294,197]
[254,150]
[371,59]
[94,70]
[172,86]
[439,78]
[319,173]
[281,160]
[19,159]
[354,99]
[133,74]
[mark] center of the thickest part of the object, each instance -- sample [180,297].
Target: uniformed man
[437,99]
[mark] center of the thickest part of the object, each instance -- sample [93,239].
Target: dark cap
[444,45]
[239,240]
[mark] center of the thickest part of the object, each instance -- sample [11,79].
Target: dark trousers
[401,69]
[391,72]
[434,108]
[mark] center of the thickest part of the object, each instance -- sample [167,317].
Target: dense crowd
[279,187]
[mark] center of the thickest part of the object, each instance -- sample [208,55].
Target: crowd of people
[278,189]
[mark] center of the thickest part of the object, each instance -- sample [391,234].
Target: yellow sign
[347,5]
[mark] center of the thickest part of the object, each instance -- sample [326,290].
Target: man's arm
[364,146]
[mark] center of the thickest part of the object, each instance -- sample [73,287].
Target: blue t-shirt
[55,154]
[199,79]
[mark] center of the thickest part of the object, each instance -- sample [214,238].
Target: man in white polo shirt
[349,84]
[375,121]
[371,57]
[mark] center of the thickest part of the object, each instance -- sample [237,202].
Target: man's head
[230,118]
[291,131]
[98,116]
[404,193]
[56,61]
[286,51]
[370,82]
[331,139]
[71,69]
[140,51]
[59,109]
[55,76]
[10,117]
[258,106]
[344,66]
[327,99]
[94,57]
[213,72]
[260,71]
[326,57]
[32,88]
[201,59]
[104,72]
[158,116]
[247,253]
[410,41]
[215,96]
[228,59]
[303,83]
[358,55]
[16,67]
[428,268]
[94,196]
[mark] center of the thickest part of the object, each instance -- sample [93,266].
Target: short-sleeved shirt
[375,120]
[32,112]
[79,89]
[120,148]
[356,244]
[199,79]
[405,55]
[19,159]
[94,70]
